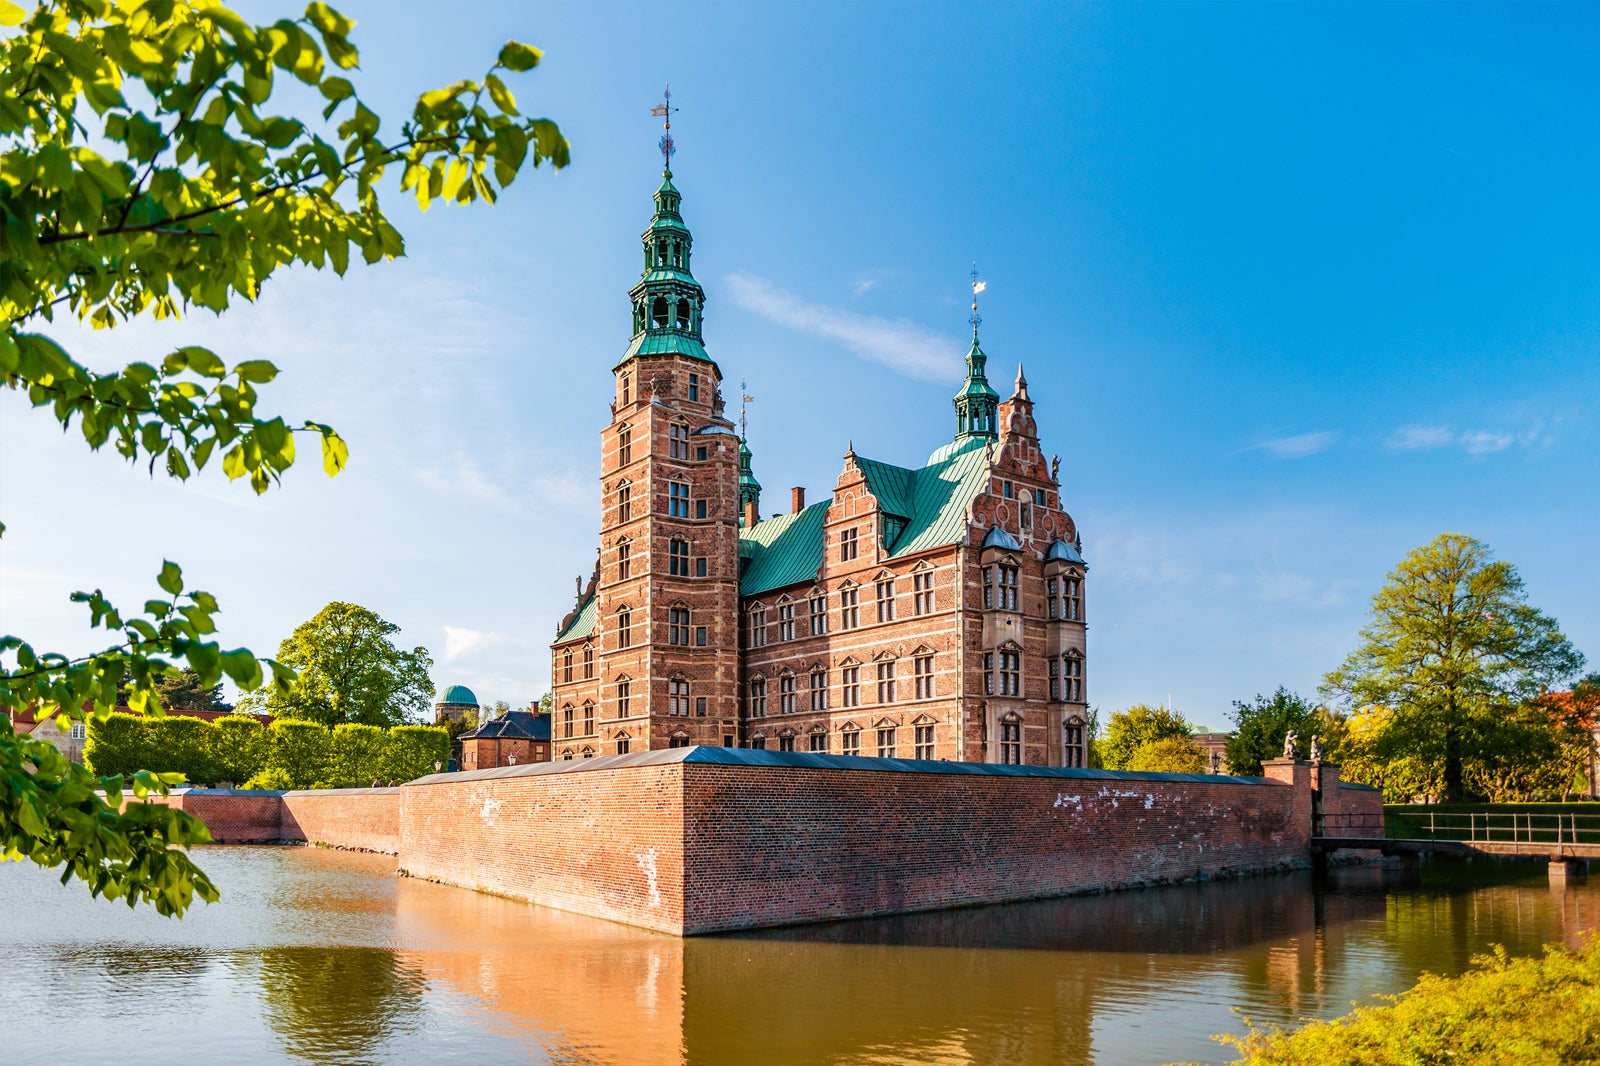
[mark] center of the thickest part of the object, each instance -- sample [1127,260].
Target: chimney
[750,515]
[797,499]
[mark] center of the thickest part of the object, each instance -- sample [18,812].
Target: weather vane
[977,287]
[744,398]
[664,110]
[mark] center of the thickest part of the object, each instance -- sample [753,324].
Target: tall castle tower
[667,596]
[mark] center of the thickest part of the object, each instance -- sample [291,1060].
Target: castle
[933,613]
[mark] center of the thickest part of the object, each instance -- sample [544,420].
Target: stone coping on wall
[1359,786]
[368,791]
[717,756]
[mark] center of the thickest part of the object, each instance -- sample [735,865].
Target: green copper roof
[933,502]
[666,342]
[458,694]
[582,623]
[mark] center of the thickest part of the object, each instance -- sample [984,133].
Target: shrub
[183,746]
[299,749]
[238,747]
[413,749]
[1531,1012]
[272,779]
[116,745]
[1172,755]
[360,754]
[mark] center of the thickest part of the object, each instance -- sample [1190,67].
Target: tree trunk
[1453,790]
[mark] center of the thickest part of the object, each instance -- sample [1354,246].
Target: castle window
[758,743]
[566,721]
[588,718]
[622,744]
[624,628]
[566,667]
[1010,673]
[699,706]
[1072,677]
[886,742]
[694,387]
[924,739]
[1008,490]
[678,625]
[678,697]
[785,621]
[1072,742]
[850,741]
[819,615]
[677,499]
[624,446]
[627,388]
[700,453]
[988,673]
[786,743]
[886,681]
[699,636]
[658,313]
[758,697]
[886,600]
[683,315]
[849,608]
[700,508]
[700,567]
[625,497]
[923,667]
[1006,593]
[624,559]
[1040,498]
[819,690]
[922,592]
[588,661]
[677,742]
[1072,601]
[847,545]
[1051,587]
[850,686]
[624,698]
[819,742]
[678,558]
[677,441]
[1055,680]
[786,695]
[1011,740]
[758,629]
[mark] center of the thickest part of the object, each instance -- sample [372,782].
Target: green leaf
[335,453]
[256,370]
[241,665]
[11,14]
[171,577]
[501,95]
[518,56]
[328,20]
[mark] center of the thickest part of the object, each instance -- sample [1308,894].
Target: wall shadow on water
[337,1004]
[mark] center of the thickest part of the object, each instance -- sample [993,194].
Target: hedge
[290,754]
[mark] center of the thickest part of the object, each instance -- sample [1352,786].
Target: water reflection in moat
[325,957]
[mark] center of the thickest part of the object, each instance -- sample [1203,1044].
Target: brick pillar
[1297,775]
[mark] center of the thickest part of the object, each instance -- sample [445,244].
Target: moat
[320,956]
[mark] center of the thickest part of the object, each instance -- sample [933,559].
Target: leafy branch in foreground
[142,168]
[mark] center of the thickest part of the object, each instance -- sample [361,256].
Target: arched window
[1072,741]
[624,444]
[588,718]
[624,628]
[624,697]
[624,560]
[658,313]
[683,314]
[623,743]
[566,666]
[588,661]
[566,721]
[1072,676]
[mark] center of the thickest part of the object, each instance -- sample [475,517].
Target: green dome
[458,694]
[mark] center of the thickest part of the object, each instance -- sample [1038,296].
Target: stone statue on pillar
[1316,749]
[1288,745]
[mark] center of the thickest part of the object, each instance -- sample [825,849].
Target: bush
[238,747]
[360,754]
[413,749]
[272,780]
[299,749]
[117,745]
[184,746]
[1533,1012]
[1171,755]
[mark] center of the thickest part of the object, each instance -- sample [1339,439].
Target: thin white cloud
[898,344]
[1486,442]
[460,641]
[1421,438]
[1298,446]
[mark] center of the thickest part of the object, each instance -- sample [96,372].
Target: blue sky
[1297,289]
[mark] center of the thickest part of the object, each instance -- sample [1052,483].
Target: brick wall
[365,819]
[233,817]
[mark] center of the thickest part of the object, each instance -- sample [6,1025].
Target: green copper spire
[977,405]
[749,487]
[667,301]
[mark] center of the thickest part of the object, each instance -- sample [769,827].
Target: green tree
[238,747]
[1452,649]
[143,171]
[1169,755]
[1261,726]
[350,671]
[1129,730]
[183,691]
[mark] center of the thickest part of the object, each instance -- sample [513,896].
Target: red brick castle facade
[928,613]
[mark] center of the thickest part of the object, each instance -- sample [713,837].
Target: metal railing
[1491,827]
